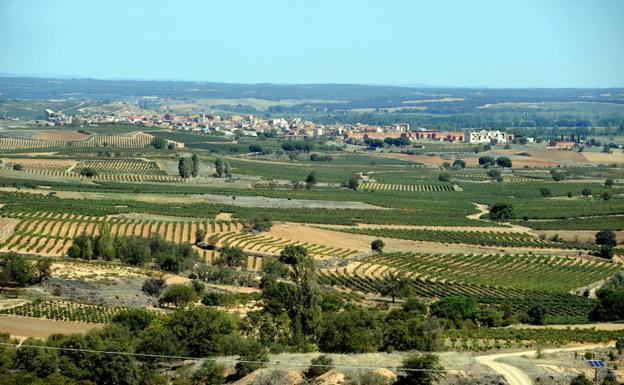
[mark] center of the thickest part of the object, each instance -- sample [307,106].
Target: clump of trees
[158,142]
[321,158]
[606,240]
[501,211]
[134,250]
[194,165]
[459,164]
[352,183]
[298,146]
[185,167]
[88,172]
[259,224]
[611,300]
[378,245]
[311,180]
[223,168]
[16,270]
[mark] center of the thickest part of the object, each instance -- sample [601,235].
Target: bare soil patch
[61,135]
[22,327]
[224,217]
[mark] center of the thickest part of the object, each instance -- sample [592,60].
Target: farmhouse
[487,136]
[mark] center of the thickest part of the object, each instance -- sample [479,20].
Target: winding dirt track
[515,376]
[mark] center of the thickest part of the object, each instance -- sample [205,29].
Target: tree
[158,142]
[486,161]
[44,269]
[305,311]
[179,295]
[154,286]
[255,148]
[17,269]
[426,370]
[18,167]
[319,365]
[273,267]
[311,180]
[200,234]
[455,308]
[259,224]
[184,167]
[36,360]
[558,176]
[609,182]
[353,183]
[88,172]
[459,164]
[502,211]
[495,174]
[605,196]
[536,314]
[194,165]
[210,373]
[606,238]
[377,245]
[395,287]
[74,251]
[104,245]
[133,250]
[227,169]
[446,177]
[219,167]
[232,257]
[619,345]
[134,320]
[115,369]
[504,162]
[545,192]
[586,192]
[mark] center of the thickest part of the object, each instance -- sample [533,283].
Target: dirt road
[515,376]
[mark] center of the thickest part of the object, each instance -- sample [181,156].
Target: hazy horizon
[447,44]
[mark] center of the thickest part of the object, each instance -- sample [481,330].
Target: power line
[233,361]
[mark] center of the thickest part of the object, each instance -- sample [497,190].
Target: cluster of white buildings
[252,125]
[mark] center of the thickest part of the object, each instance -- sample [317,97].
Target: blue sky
[511,43]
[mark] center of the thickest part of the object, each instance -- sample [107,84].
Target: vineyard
[368,278]
[120,167]
[106,170]
[515,271]
[373,186]
[482,238]
[135,140]
[65,311]
[475,339]
[49,233]
[260,243]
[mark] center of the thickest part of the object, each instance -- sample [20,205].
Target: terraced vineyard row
[117,167]
[253,263]
[137,140]
[49,165]
[373,186]
[271,245]
[513,271]
[65,311]
[483,238]
[51,234]
[112,177]
[559,305]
